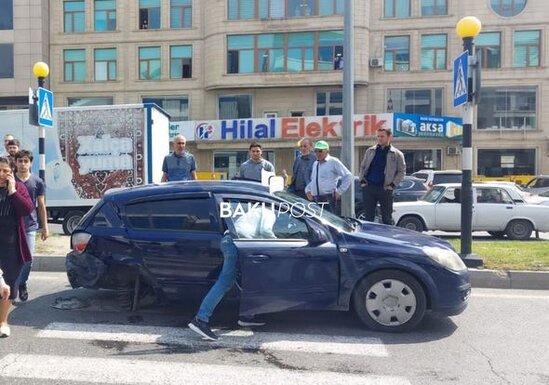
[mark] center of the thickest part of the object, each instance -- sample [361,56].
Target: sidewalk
[537,280]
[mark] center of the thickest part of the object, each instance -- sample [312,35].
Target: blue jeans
[25,270]
[224,282]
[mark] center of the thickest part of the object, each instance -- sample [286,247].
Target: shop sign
[427,126]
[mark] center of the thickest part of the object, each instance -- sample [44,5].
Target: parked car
[433,177]
[164,240]
[497,208]
[538,185]
[410,189]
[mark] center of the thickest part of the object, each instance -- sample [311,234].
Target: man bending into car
[256,223]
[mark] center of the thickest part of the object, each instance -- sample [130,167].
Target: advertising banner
[427,126]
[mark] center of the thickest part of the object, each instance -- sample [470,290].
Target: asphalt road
[500,339]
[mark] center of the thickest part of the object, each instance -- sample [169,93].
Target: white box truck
[91,150]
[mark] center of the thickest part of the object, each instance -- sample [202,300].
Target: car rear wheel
[390,301]
[497,234]
[127,298]
[519,230]
[411,223]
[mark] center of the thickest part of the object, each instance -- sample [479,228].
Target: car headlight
[447,258]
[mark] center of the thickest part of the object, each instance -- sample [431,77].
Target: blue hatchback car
[163,241]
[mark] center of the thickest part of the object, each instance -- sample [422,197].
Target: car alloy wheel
[390,301]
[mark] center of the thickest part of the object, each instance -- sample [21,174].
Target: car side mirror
[318,237]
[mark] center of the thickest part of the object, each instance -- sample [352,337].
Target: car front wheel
[411,223]
[390,301]
[519,230]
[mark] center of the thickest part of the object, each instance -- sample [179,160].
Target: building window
[297,113]
[105,64]
[278,9]
[149,14]
[181,58]
[149,63]
[229,161]
[6,16]
[74,16]
[279,52]
[329,103]
[397,8]
[397,53]
[434,7]
[75,65]
[301,8]
[270,114]
[526,49]
[508,8]
[176,106]
[105,15]
[181,14]
[433,52]
[489,44]
[426,101]
[507,108]
[6,64]
[502,162]
[90,101]
[235,107]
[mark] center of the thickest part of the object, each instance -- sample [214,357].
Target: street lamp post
[41,71]
[468,28]
[347,135]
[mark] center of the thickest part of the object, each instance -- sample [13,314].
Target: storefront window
[229,161]
[507,108]
[430,159]
[426,101]
[502,162]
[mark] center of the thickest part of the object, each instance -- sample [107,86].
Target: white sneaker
[5,331]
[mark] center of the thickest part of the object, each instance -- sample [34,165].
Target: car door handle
[258,258]
[509,207]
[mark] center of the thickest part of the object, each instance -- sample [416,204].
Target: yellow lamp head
[40,69]
[468,27]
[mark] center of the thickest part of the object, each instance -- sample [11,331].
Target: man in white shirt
[327,172]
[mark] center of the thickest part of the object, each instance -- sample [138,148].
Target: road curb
[495,279]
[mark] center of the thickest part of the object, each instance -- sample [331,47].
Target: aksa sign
[427,126]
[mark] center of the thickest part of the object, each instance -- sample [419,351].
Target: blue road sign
[45,107]
[461,71]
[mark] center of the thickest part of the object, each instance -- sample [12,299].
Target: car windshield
[446,178]
[434,194]
[314,209]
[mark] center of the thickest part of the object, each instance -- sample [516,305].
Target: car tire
[390,301]
[497,234]
[125,295]
[411,223]
[71,220]
[519,230]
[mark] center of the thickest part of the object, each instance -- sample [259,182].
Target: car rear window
[446,178]
[423,177]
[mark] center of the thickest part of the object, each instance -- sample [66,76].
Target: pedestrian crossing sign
[45,107]
[461,71]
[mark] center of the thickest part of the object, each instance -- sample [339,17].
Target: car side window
[493,195]
[405,184]
[185,214]
[106,216]
[451,195]
[261,220]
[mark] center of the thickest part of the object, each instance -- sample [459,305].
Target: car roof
[438,172]
[194,186]
[476,184]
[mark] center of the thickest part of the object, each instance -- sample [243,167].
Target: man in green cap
[327,172]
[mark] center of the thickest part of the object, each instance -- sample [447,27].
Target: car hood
[379,233]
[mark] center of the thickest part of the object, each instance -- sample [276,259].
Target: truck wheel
[390,301]
[411,223]
[71,220]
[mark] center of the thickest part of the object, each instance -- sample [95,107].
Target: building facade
[240,59]
[24,40]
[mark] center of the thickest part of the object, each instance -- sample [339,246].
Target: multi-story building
[24,40]
[239,59]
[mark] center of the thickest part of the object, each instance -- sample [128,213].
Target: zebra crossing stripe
[245,339]
[140,371]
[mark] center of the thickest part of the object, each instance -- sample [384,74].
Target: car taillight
[79,241]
